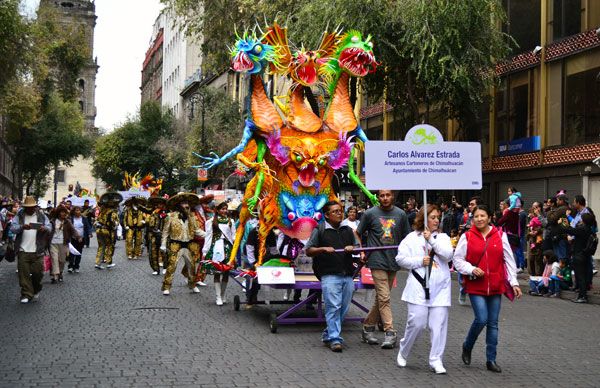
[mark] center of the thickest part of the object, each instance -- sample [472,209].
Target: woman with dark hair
[424,250]
[218,242]
[581,258]
[484,255]
[83,228]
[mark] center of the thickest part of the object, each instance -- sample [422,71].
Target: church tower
[81,13]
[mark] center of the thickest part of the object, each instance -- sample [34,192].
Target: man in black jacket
[334,270]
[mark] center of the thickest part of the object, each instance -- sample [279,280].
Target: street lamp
[199,97]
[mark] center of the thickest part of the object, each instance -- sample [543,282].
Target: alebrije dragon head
[304,67]
[354,55]
[250,55]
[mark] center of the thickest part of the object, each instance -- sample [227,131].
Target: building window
[82,106]
[60,176]
[566,18]
[82,85]
[523,23]
[581,102]
[515,108]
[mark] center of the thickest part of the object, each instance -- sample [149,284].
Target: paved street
[115,328]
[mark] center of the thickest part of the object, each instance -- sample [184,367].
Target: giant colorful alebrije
[295,159]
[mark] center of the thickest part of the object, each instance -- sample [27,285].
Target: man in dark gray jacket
[31,227]
[384,225]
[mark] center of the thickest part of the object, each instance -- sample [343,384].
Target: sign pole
[425,227]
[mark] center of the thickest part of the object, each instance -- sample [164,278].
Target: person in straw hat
[134,221]
[178,233]
[31,227]
[156,221]
[106,226]
[61,234]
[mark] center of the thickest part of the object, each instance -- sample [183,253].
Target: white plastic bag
[119,232]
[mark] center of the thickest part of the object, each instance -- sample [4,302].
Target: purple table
[307,281]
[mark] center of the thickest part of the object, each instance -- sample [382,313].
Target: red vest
[491,262]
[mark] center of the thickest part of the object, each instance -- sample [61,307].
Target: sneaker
[166,292]
[164,271]
[594,272]
[201,283]
[336,347]
[368,335]
[438,369]
[580,300]
[77,270]
[36,297]
[400,360]
[534,293]
[111,265]
[555,295]
[24,300]
[70,270]
[195,290]
[390,340]
[130,257]
[53,281]
[98,266]
[462,299]
[60,278]
[155,273]
[520,270]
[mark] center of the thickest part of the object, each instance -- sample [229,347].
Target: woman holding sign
[426,249]
[484,255]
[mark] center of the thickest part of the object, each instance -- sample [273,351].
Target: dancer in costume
[217,247]
[106,226]
[156,221]
[134,221]
[178,232]
[196,248]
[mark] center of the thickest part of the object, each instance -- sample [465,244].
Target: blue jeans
[519,257]
[337,295]
[486,309]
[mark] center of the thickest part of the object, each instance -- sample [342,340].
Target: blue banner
[519,146]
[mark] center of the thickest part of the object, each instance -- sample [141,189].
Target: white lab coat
[410,256]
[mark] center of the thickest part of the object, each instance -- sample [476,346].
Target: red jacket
[491,262]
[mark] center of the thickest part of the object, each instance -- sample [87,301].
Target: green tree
[40,61]
[433,53]
[56,139]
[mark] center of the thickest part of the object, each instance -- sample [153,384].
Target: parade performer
[106,226]
[217,247]
[178,232]
[425,249]
[155,225]
[134,221]
[196,247]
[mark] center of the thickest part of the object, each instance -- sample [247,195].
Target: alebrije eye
[321,162]
[298,158]
[258,49]
[355,39]
[370,44]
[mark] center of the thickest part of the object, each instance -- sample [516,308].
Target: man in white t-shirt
[31,227]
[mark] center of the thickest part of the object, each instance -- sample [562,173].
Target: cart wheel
[273,323]
[236,303]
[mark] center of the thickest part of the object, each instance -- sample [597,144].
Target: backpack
[591,245]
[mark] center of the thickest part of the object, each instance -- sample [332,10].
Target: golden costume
[106,225]
[134,221]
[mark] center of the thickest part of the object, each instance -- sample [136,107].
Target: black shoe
[53,281]
[466,355]
[336,347]
[492,366]
[580,300]
[368,335]
[389,340]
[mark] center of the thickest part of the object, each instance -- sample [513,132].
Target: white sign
[424,161]
[78,201]
[275,275]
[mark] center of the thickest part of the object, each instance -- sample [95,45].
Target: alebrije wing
[276,36]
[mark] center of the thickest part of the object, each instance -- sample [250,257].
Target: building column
[543,116]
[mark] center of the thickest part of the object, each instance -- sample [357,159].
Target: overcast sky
[122,36]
